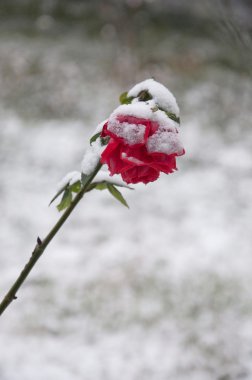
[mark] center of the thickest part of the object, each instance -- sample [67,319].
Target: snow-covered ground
[161,291]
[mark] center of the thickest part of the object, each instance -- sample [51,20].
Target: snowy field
[161,291]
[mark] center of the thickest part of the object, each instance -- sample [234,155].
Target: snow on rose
[143,135]
[139,140]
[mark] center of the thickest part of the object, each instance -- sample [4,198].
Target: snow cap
[159,93]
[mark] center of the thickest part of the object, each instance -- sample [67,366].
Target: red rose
[139,149]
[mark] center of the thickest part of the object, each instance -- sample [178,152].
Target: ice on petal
[140,110]
[143,110]
[131,133]
[160,94]
[164,142]
[131,159]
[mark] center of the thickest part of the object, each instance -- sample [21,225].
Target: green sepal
[66,200]
[95,137]
[104,140]
[124,99]
[116,193]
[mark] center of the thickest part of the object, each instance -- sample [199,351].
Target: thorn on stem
[15,297]
[39,241]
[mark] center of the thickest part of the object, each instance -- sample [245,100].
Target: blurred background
[163,290]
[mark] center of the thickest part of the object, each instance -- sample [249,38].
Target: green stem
[41,245]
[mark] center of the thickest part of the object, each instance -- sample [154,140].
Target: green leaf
[144,95]
[124,99]
[94,138]
[101,186]
[65,201]
[75,187]
[58,193]
[116,193]
[97,186]
[173,116]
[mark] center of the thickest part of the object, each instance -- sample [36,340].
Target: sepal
[124,99]
[94,137]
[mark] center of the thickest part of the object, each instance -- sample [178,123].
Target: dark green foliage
[116,193]
[124,99]
[171,115]
[68,191]
[75,187]
[95,137]
[144,96]
[66,200]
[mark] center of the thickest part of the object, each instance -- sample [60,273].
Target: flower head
[143,134]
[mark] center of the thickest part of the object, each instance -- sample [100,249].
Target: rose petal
[138,174]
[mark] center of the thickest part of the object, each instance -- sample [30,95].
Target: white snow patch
[131,133]
[97,327]
[161,95]
[164,121]
[69,178]
[143,111]
[92,157]
[164,142]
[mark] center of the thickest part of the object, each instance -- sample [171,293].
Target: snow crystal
[92,157]
[164,142]
[69,178]
[131,133]
[140,110]
[161,95]
[144,111]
